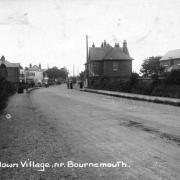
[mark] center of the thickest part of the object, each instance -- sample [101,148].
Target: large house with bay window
[171,60]
[107,61]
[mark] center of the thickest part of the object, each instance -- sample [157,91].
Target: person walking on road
[67,82]
[71,85]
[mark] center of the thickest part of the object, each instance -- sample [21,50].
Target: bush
[173,77]
[134,79]
[143,87]
[6,89]
[165,90]
[169,87]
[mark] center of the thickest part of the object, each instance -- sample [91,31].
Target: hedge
[6,89]
[169,86]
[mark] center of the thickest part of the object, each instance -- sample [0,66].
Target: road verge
[32,89]
[155,99]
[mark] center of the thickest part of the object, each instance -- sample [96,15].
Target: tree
[3,71]
[64,72]
[54,73]
[82,75]
[151,66]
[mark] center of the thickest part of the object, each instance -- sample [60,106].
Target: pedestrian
[67,82]
[26,87]
[71,85]
[81,84]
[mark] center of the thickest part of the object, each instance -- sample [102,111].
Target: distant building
[22,75]
[9,70]
[171,60]
[108,61]
[34,75]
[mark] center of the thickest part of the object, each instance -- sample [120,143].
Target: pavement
[60,125]
[31,89]
[155,99]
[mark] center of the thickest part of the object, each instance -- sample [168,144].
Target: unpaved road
[56,125]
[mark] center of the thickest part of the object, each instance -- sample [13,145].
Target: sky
[52,32]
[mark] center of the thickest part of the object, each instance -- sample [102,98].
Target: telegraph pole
[73,70]
[86,48]
[87,59]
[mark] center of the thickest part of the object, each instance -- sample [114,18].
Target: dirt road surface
[87,136]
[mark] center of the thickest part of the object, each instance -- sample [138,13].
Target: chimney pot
[124,43]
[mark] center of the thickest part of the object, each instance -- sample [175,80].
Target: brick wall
[124,68]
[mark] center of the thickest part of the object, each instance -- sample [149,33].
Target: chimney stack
[39,66]
[93,45]
[3,59]
[30,65]
[125,49]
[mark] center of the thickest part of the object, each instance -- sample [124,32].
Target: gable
[34,68]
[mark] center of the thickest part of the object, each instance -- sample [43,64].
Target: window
[115,66]
[95,68]
[31,74]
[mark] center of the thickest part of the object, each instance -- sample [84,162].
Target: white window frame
[115,66]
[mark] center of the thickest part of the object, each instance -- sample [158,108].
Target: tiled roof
[117,54]
[96,53]
[173,54]
[107,53]
[8,64]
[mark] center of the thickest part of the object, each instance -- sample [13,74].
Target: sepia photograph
[89,90]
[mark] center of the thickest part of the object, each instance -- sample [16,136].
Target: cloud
[16,18]
[143,38]
[156,20]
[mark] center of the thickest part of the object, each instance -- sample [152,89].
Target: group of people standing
[69,83]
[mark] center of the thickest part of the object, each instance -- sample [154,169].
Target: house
[107,61]
[21,75]
[171,60]
[34,75]
[9,70]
